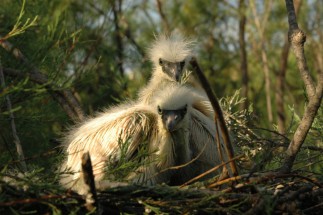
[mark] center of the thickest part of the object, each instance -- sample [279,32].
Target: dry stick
[16,139]
[210,171]
[314,208]
[297,39]
[261,177]
[91,196]
[36,200]
[217,113]
[64,97]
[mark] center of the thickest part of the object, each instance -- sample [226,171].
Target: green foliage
[127,163]
[19,27]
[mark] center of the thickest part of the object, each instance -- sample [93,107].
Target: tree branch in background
[217,113]
[264,58]
[297,39]
[280,80]
[163,17]
[64,97]
[116,9]
[16,139]
[280,88]
[128,34]
[243,53]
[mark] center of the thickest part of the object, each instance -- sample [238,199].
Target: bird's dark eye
[159,110]
[160,62]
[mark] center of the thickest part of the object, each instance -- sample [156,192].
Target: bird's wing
[203,140]
[114,134]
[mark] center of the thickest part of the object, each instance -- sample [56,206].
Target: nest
[258,193]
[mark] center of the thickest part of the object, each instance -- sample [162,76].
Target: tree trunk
[280,81]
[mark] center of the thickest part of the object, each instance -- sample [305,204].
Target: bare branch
[16,139]
[163,17]
[218,113]
[297,39]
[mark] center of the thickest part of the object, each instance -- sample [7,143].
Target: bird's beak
[173,69]
[171,119]
[177,72]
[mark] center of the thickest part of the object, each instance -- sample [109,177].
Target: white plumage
[191,139]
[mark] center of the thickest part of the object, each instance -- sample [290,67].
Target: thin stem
[16,139]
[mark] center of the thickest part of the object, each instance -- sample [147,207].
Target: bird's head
[172,119]
[173,105]
[170,54]
[173,70]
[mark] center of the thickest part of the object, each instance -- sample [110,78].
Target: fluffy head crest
[174,97]
[173,48]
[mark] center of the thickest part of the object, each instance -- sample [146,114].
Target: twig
[34,200]
[16,139]
[218,114]
[260,177]
[315,208]
[209,171]
[38,156]
[294,194]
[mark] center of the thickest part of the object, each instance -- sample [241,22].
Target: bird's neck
[182,152]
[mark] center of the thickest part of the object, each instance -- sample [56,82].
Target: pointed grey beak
[177,74]
[172,69]
[170,120]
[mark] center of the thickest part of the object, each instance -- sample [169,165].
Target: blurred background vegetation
[97,50]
